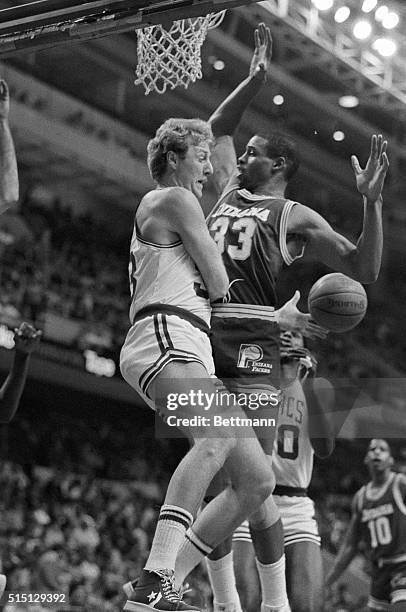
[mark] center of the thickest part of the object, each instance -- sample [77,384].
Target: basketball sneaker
[155,590]
[3,581]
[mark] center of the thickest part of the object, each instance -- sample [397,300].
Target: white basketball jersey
[165,274]
[292,459]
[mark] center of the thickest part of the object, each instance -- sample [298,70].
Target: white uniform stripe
[157,245]
[171,355]
[304,537]
[283,228]
[283,231]
[390,560]
[240,536]
[252,197]
[377,604]
[397,493]
[245,311]
[398,595]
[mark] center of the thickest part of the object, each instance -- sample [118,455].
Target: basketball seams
[337,302]
[339,314]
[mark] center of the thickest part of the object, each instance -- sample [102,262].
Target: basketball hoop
[169,58]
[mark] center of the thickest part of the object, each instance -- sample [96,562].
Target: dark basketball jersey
[251,233]
[382,514]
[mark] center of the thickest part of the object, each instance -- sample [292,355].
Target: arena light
[323,5]
[338,136]
[342,14]
[369,5]
[219,64]
[278,100]
[390,20]
[348,101]
[362,30]
[385,46]
[381,12]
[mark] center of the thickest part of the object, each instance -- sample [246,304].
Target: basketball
[337,302]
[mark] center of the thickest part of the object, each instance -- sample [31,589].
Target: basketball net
[169,58]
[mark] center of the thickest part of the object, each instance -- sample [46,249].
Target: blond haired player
[175,272]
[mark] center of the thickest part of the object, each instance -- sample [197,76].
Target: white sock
[192,551]
[273,585]
[222,580]
[170,532]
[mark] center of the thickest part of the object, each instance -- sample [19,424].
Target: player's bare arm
[362,260]
[9,188]
[26,339]
[225,119]
[320,399]
[183,215]
[348,549]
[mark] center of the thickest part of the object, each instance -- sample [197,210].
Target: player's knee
[260,488]
[266,516]
[217,449]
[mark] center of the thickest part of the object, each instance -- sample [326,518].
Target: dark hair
[175,135]
[278,145]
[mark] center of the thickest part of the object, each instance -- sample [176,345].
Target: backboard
[48,23]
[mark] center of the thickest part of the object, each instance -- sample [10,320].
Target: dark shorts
[245,343]
[388,585]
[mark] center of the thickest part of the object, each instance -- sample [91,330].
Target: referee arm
[9,188]
[26,339]
[320,398]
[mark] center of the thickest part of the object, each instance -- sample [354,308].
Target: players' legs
[304,574]
[250,479]
[219,562]
[251,484]
[246,574]
[246,464]
[399,606]
[267,537]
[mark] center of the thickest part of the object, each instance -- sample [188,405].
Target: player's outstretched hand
[26,338]
[261,59]
[4,100]
[291,319]
[370,180]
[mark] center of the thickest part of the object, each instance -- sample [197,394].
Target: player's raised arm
[9,187]
[225,119]
[184,215]
[26,339]
[320,398]
[362,260]
[349,547]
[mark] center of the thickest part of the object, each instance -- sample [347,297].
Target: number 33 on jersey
[250,233]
